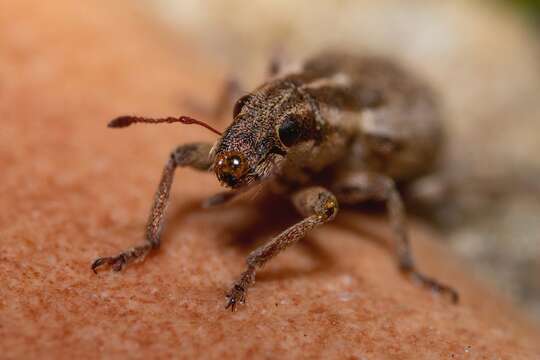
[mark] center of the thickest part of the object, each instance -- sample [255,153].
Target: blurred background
[483,57]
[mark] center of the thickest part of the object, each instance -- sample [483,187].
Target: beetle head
[267,125]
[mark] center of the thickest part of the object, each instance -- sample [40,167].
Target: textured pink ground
[71,190]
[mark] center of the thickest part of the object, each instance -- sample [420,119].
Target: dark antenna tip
[120,122]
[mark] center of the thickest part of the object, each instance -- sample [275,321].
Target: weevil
[339,129]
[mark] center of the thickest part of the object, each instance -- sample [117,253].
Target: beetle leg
[230,91]
[317,205]
[274,66]
[194,155]
[362,186]
[227,97]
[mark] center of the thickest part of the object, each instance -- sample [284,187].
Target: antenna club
[120,122]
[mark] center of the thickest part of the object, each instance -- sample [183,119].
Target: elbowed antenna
[124,121]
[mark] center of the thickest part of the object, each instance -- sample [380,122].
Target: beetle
[340,129]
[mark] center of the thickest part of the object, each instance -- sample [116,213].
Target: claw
[436,286]
[236,296]
[97,263]
[231,303]
[117,262]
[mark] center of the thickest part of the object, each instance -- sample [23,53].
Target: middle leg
[358,187]
[317,205]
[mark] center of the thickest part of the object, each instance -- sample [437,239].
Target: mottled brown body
[358,114]
[339,129]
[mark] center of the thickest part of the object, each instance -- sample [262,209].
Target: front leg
[362,186]
[317,205]
[191,155]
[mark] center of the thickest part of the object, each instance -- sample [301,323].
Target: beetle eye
[290,130]
[240,104]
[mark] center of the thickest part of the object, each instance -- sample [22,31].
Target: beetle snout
[230,167]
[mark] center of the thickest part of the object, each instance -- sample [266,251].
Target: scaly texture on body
[339,129]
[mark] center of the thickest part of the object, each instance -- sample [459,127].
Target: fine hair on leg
[317,205]
[194,155]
